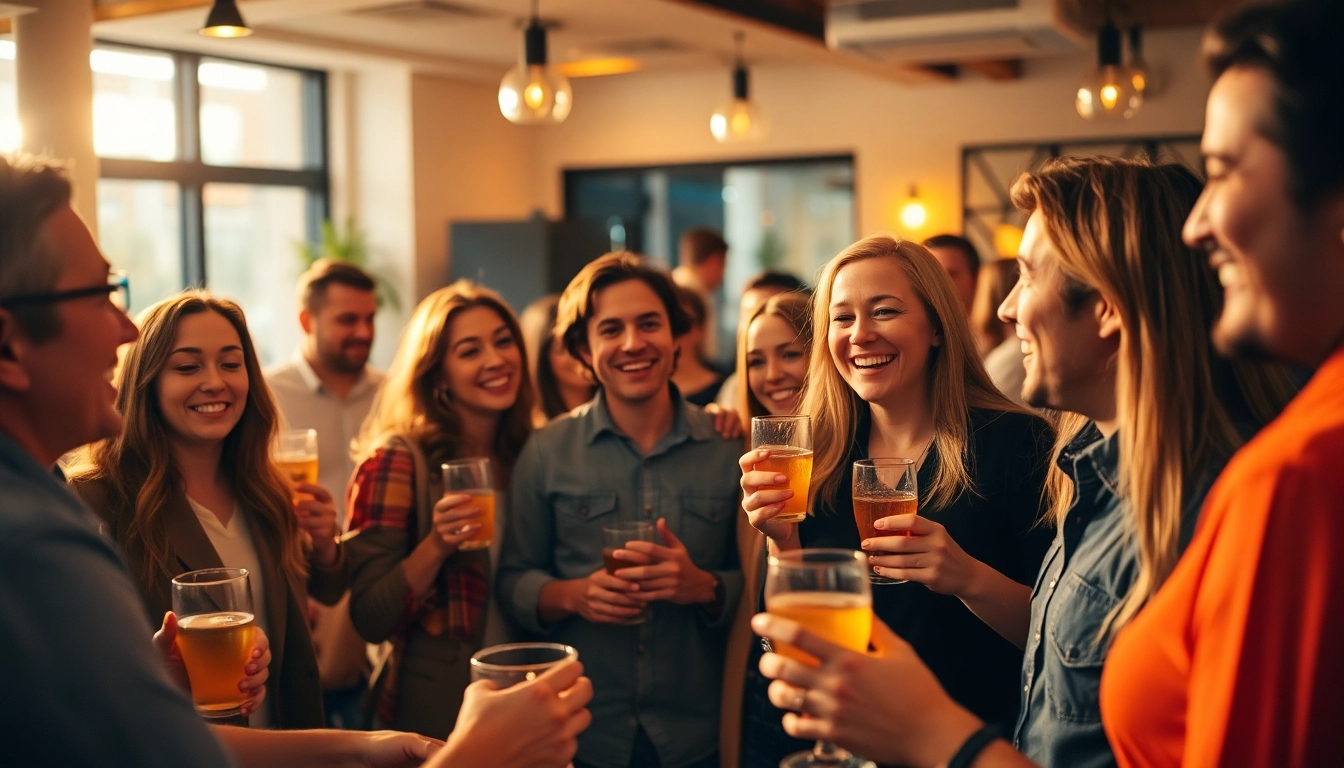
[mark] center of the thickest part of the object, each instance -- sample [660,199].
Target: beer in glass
[474,478]
[883,488]
[296,455]
[615,536]
[216,628]
[789,440]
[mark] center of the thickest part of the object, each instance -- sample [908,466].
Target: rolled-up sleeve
[527,559]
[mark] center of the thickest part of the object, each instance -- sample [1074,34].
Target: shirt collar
[685,424]
[367,378]
[1090,449]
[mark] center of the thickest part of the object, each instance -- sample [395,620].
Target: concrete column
[55,92]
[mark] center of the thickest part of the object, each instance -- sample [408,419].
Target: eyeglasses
[117,291]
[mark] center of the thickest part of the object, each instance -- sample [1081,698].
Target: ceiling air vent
[421,12]
[940,31]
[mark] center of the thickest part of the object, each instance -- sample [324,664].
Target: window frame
[191,173]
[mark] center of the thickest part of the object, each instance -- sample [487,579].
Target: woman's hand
[452,521]
[726,421]
[394,749]
[256,671]
[927,554]
[886,706]
[762,502]
[317,517]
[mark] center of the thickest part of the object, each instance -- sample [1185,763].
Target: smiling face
[776,364]
[342,327]
[1278,267]
[630,346]
[880,335]
[483,366]
[202,389]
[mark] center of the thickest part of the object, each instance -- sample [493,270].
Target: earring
[443,397]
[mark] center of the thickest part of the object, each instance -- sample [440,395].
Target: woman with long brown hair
[189,484]
[458,387]
[894,372]
[561,382]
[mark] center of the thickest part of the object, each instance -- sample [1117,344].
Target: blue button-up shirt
[580,473]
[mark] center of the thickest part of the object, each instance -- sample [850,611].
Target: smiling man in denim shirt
[637,451]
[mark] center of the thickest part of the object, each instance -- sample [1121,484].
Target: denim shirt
[580,473]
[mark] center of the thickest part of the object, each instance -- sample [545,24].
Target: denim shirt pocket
[1075,651]
[579,517]
[707,528]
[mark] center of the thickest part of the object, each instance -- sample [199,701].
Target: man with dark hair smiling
[636,452]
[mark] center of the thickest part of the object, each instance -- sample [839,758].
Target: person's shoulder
[33,511]
[286,372]
[995,424]
[1300,451]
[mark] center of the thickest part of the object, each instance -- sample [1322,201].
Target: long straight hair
[955,382]
[413,401]
[138,464]
[1116,226]
[793,308]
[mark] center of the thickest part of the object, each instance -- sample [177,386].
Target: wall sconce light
[534,91]
[914,214]
[1108,91]
[225,20]
[739,119]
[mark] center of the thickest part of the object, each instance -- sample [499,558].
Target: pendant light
[1108,91]
[739,119]
[913,213]
[1141,73]
[534,92]
[225,20]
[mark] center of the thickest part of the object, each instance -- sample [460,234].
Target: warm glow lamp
[1141,73]
[1007,240]
[914,214]
[535,92]
[1108,91]
[225,20]
[739,119]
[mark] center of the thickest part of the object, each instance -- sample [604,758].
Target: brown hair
[412,402]
[32,188]
[793,308]
[956,382]
[324,273]
[700,245]
[1116,226]
[138,464]
[576,303]
[995,283]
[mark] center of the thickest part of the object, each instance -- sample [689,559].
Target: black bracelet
[973,746]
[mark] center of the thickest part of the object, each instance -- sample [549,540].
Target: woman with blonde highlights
[894,372]
[189,484]
[458,387]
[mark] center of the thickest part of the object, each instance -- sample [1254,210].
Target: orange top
[1239,659]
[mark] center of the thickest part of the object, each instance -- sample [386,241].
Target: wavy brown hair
[956,381]
[1116,227]
[793,308]
[138,464]
[410,404]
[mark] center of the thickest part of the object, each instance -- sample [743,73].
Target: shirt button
[1026,689]
[641,648]
[1038,637]
[1052,583]
[648,510]
[584,513]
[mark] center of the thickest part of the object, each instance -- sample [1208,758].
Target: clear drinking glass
[616,536]
[789,440]
[827,592]
[883,488]
[509,665]
[296,455]
[474,478]
[216,626]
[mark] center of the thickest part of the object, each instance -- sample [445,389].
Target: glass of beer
[216,626]
[883,488]
[616,536]
[509,665]
[474,478]
[827,592]
[296,455]
[789,440]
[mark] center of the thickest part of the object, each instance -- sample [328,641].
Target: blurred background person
[189,484]
[754,294]
[961,261]
[702,259]
[562,383]
[996,340]
[458,387]
[699,383]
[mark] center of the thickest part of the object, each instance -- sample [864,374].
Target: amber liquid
[868,510]
[843,618]
[613,564]
[215,647]
[796,465]
[299,470]
[486,533]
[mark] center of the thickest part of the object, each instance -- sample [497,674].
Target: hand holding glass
[616,536]
[883,488]
[509,665]
[474,478]
[789,440]
[215,636]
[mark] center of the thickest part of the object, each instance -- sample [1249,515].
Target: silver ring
[801,704]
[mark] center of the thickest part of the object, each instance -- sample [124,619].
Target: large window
[212,171]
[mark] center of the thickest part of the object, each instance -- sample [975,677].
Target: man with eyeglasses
[85,686]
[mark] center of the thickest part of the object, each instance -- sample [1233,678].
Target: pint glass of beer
[473,477]
[215,636]
[789,440]
[883,488]
[509,665]
[616,536]
[296,455]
